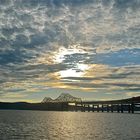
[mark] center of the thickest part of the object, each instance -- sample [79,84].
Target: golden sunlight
[75,72]
[70,73]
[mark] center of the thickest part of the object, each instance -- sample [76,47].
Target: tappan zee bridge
[70,103]
[66,102]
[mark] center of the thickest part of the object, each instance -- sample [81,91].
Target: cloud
[133,94]
[41,41]
[110,78]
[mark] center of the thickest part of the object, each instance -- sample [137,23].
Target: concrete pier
[112,108]
[121,108]
[102,108]
[132,107]
[92,108]
[97,108]
[118,108]
[107,108]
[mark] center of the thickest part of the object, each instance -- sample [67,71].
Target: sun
[74,72]
[78,68]
[69,73]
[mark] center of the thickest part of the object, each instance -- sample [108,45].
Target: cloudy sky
[88,48]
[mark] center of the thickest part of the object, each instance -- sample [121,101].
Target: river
[44,125]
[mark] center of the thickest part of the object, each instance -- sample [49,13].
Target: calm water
[43,125]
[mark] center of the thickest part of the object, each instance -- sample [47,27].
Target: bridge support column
[107,108]
[76,107]
[97,108]
[112,108]
[81,107]
[84,108]
[102,108]
[132,107]
[121,108]
[92,108]
[129,108]
[88,108]
[118,108]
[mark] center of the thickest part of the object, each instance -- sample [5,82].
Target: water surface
[44,125]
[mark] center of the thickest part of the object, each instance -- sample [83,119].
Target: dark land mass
[33,106]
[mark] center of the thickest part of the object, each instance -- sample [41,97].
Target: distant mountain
[63,97]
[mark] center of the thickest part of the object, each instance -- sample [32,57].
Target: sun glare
[59,56]
[70,73]
[75,72]
[78,69]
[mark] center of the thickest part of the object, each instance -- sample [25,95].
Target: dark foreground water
[43,125]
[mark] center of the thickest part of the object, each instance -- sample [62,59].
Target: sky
[87,48]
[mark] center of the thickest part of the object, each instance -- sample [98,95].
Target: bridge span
[130,105]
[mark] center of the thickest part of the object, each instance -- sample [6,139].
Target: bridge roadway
[130,105]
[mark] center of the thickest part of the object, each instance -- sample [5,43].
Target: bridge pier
[88,108]
[97,108]
[81,107]
[129,108]
[92,108]
[121,108]
[84,108]
[118,108]
[102,108]
[132,107]
[107,108]
[76,107]
[112,108]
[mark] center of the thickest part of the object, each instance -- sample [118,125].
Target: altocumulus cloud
[74,44]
